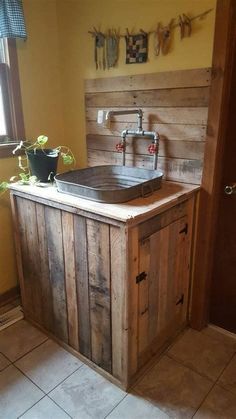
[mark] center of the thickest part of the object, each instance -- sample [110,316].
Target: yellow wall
[58,56]
[39,67]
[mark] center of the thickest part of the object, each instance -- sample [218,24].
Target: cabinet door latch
[185,229]
[180,301]
[141,277]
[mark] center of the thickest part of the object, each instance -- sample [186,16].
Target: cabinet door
[163,295]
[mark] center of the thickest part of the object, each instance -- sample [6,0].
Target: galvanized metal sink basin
[109,184]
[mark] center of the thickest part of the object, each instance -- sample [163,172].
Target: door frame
[212,167]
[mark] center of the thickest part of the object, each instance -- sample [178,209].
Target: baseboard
[10,317]
[221,330]
[9,295]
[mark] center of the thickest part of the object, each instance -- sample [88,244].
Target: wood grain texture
[158,115]
[149,227]
[178,132]
[189,149]
[174,169]
[99,292]
[119,302]
[143,297]
[187,97]
[132,212]
[18,247]
[82,281]
[164,256]
[26,210]
[57,271]
[45,282]
[162,80]
[90,287]
[176,107]
[70,279]
[133,271]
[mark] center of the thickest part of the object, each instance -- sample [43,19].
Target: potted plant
[39,164]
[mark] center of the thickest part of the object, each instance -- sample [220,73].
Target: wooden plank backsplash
[175,104]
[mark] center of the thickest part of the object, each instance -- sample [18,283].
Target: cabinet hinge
[185,229]
[180,301]
[141,277]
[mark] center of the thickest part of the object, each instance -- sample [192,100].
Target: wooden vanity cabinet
[116,293]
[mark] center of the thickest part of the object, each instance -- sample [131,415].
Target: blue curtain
[12,22]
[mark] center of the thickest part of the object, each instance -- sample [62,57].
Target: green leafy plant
[25,177]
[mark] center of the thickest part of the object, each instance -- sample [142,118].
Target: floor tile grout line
[226,389]
[204,398]
[112,410]
[45,395]
[5,368]
[192,368]
[64,379]
[59,406]
[159,357]
[31,350]
[150,401]
[13,362]
[22,372]
[226,366]
[215,383]
[31,406]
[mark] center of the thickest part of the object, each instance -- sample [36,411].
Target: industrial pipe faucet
[139,132]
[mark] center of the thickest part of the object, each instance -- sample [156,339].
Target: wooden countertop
[131,212]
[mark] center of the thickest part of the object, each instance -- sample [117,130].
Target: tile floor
[196,377]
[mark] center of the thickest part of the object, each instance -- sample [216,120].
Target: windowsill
[6,150]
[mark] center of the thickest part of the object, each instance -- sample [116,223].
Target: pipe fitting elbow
[124,133]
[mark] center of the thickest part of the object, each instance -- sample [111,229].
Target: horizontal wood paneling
[174,104]
[169,132]
[193,116]
[175,149]
[197,96]
[163,80]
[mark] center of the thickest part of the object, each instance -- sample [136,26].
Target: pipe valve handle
[153,149]
[120,147]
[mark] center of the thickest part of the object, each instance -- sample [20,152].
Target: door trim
[212,167]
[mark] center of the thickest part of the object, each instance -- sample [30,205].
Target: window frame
[12,99]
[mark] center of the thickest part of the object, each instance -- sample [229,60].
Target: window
[11,116]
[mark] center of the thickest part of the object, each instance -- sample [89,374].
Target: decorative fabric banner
[12,22]
[112,48]
[136,48]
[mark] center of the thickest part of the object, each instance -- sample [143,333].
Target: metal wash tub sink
[109,184]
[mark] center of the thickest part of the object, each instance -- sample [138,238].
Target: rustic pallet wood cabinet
[114,292]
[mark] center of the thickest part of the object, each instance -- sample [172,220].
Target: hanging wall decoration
[136,48]
[163,38]
[185,26]
[112,48]
[106,46]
